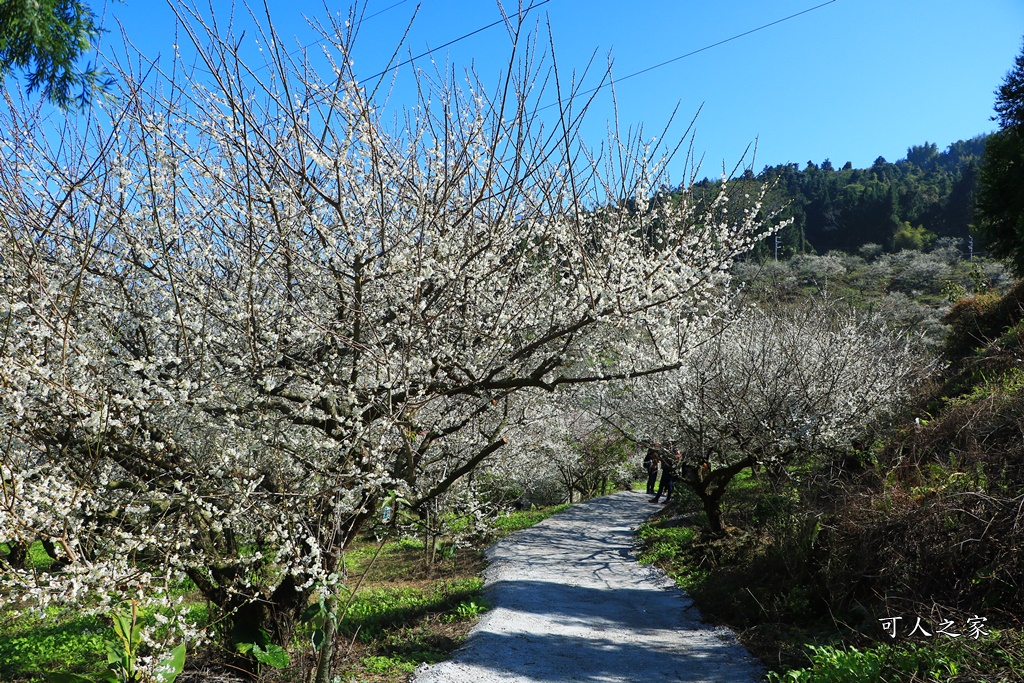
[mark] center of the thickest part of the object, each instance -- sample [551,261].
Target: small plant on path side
[123,656]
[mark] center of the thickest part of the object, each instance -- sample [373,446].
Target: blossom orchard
[238,312]
[558,450]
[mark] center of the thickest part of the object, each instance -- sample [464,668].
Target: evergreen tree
[1010,96]
[931,191]
[45,39]
[923,155]
[1000,201]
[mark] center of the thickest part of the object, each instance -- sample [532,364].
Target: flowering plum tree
[241,312]
[560,446]
[775,385]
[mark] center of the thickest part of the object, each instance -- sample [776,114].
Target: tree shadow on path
[571,603]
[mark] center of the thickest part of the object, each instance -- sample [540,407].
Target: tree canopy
[1000,204]
[46,39]
[1010,96]
[929,194]
[245,315]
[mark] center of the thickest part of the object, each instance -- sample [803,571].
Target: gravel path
[570,603]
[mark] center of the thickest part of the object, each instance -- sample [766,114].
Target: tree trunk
[18,556]
[710,485]
[277,616]
[713,509]
[323,667]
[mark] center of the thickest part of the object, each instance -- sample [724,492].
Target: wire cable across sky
[456,40]
[805,82]
[617,80]
[723,42]
[699,50]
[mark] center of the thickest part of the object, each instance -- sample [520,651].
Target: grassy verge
[402,610]
[514,521]
[769,578]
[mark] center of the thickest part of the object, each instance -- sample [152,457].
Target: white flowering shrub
[813,267]
[952,250]
[238,313]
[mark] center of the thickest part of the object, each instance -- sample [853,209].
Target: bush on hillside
[978,320]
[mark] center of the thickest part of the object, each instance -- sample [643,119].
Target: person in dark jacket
[668,475]
[651,461]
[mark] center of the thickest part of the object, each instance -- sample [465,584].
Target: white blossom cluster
[560,449]
[239,314]
[776,383]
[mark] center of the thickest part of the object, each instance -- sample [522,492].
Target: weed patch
[941,660]
[33,645]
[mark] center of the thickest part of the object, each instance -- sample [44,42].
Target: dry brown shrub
[945,529]
[977,320]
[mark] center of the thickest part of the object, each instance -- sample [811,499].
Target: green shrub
[938,660]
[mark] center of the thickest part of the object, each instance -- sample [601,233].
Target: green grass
[669,548]
[404,615]
[61,642]
[37,555]
[941,659]
[372,613]
[31,645]
[393,664]
[1007,383]
[514,521]
[663,544]
[396,558]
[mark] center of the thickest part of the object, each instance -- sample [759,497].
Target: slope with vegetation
[898,556]
[900,205]
[908,204]
[924,528]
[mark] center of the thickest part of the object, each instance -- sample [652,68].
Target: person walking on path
[569,602]
[651,461]
[668,475]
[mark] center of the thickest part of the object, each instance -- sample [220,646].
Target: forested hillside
[905,204]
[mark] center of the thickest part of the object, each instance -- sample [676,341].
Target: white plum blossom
[771,386]
[237,315]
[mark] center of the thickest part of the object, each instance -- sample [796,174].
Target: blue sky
[849,81]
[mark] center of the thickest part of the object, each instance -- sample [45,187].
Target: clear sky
[848,81]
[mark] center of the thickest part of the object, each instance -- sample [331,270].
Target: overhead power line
[699,50]
[452,42]
[617,80]
[723,42]
[382,11]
